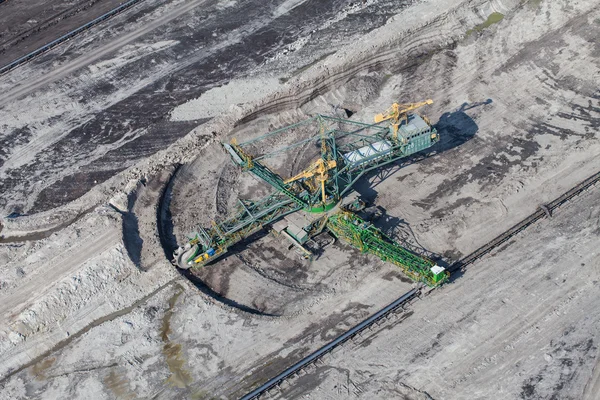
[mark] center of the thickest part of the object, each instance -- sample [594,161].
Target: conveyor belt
[539,214]
[271,383]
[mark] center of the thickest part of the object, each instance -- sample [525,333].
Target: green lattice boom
[362,235]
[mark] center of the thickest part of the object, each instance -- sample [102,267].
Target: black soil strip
[64,25]
[150,107]
[38,235]
[71,188]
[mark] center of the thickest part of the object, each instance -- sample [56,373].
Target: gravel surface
[91,307]
[519,324]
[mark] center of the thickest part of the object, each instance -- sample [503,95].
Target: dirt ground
[520,324]
[91,306]
[28,26]
[83,112]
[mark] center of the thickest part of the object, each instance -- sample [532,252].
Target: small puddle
[180,377]
[492,19]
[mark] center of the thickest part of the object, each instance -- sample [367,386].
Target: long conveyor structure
[348,150]
[364,236]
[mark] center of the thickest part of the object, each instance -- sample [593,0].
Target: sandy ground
[517,105]
[87,110]
[519,324]
[28,26]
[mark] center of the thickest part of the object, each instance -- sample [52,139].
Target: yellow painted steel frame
[398,112]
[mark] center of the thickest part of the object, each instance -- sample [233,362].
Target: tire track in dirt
[61,72]
[54,270]
[414,50]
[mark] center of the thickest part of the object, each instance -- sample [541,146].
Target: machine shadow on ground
[168,242]
[455,129]
[131,233]
[168,248]
[131,237]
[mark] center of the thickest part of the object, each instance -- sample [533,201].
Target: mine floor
[110,154]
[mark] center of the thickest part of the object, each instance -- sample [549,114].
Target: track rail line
[67,36]
[331,345]
[545,210]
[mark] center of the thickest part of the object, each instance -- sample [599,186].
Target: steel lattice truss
[354,148]
[352,229]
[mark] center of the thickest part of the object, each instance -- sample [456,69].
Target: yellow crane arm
[307,173]
[388,114]
[319,167]
[397,110]
[318,170]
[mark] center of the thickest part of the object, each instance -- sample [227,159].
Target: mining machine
[318,197]
[398,113]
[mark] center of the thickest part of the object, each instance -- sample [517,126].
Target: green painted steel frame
[253,215]
[345,174]
[246,220]
[352,229]
[326,130]
[260,211]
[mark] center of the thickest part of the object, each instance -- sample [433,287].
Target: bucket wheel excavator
[317,197]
